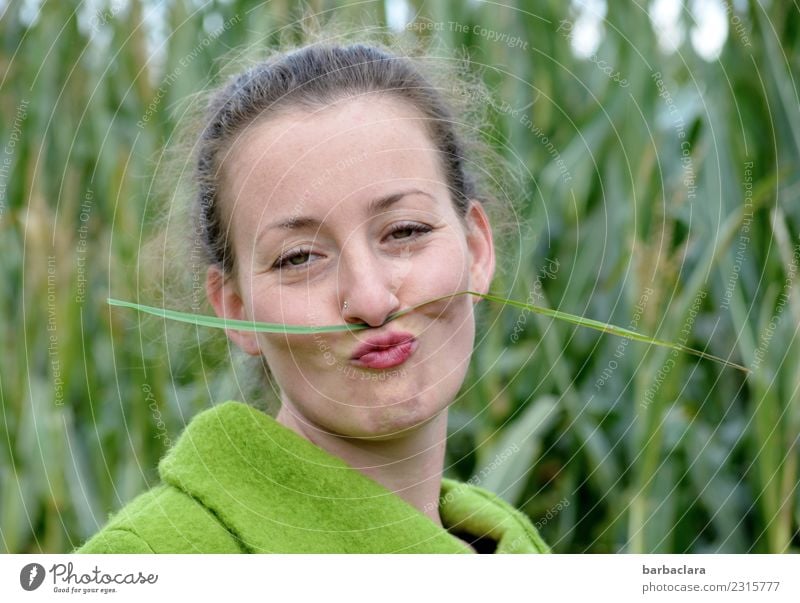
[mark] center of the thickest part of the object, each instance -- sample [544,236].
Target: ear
[481,249]
[224,295]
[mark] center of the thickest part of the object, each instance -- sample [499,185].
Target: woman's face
[350,203]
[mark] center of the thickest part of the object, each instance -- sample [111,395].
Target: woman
[333,187]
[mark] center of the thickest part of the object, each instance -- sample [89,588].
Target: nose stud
[345,305]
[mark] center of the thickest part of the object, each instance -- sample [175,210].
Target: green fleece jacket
[237,481]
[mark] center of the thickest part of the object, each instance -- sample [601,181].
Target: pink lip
[385,351]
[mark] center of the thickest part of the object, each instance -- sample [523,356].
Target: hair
[312,76]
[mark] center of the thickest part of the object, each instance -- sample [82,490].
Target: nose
[369,282]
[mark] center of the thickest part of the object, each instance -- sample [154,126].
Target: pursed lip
[385,351]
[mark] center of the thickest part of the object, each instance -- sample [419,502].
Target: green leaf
[506,466]
[264,327]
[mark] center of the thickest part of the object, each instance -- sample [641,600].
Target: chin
[395,421]
[401,414]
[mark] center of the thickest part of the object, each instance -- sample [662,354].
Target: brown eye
[294,259]
[408,230]
[404,232]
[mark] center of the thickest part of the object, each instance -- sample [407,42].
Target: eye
[408,230]
[293,260]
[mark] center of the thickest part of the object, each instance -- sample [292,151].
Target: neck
[409,465]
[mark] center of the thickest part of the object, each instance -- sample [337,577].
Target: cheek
[286,304]
[442,270]
[290,353]
[450,322]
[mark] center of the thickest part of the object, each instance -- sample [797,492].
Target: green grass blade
[263,327]
[614,330]
[227,323]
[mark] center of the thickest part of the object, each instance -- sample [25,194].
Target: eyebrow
[377,205]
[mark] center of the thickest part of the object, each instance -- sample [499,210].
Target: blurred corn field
[662,193]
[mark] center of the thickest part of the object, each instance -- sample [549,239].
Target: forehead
[356,147]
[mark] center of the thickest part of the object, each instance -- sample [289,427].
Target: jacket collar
[277,492]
